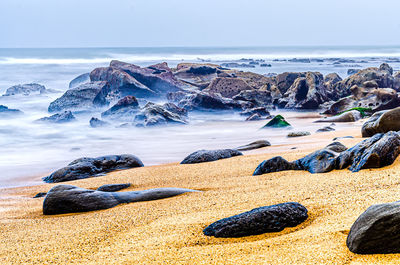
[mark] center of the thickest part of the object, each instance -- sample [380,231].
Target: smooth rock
[113,187]
[348,116]
[254,145]
[382,122]
[210,155]
[325,129]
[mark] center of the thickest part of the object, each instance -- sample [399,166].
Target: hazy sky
[129,23]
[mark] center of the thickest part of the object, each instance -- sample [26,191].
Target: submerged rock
[376,231]
[6,112]
[71,199]
[154,114]
[206,101]
[63,117]
[90,167]
[254,117]
[298,134]
[113,187]
[210,155]
[382,122]
[258,221]
[97,123]
[277,122]
[25,89]
[254,145]
[126,108]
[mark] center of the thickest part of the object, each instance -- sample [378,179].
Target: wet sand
[169,231]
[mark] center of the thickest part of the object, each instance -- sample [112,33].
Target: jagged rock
[210,155]
[378,151]
[382,122]
[376,231]
[254,117]
[81,79]
[227,86]
[396,84]
[325,129]
[25,89]
[277,122]
[298,134]
[6,112]
[63,117]
[86,167]
[206,101]
[285,80]
[121,84]
[113,187]
[199,75]
[254,145]
[261,220]
[259,98]
[83,97]
[153,114]
[348,116]
[71,199]
[97,123]
[331,79]
[386,67]
[125,108]
[262,111]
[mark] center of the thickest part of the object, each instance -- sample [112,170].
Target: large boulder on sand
[376,231]
[71,199]
[258,221]
[382,122]
[348,116]
[210,155]
[83,97]
[86,167]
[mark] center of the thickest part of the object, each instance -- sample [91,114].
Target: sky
[155,23]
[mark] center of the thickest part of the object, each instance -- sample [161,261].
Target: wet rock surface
[71,199]
[113,187]
[63,117]
[210,155]
[25,89]
[90,167]
[382,122]
[254,145]
[154,114]
[261,220]
[126,109]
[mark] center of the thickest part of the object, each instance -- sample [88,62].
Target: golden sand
[169,231]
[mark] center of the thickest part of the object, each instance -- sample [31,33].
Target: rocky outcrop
[97,123]
[120,84]
[79,80]
[376,231]
[202,101]
[90,167]
[210,155]
[348,116]
[262,111]
[126,109]
[227,86]
[382,122]
[378,151]
[63,117]
[6,112]
[25,89]
[254,145]
[258,221]
[198,75]
[285,80]
[83,97]
[260,98]
[113,187]
[154,114]
[277,122]
[71,199]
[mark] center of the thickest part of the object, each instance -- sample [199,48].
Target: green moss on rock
[363,111]
[277,122]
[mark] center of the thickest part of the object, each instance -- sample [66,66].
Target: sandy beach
[169,231]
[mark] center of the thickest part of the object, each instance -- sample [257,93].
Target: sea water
[30,150]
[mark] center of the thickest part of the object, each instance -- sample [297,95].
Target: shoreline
[169,231]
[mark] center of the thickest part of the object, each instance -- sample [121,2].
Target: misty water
[30,150]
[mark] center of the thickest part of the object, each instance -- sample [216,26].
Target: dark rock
[97,123]
[265,65]
[386,67]
[331,79]
[153,114]
[237,65]
[6,112]
[198,75]
[70,199]
[82,97]
[63,117]
[90,167]
[262,111]
[342,137]
[79,80]
[285,80]
[352,71]
[257,97]
[40,195]
[258,221]
[26,90]
[254,145]
[382,122]
[121,84]
[326,129]
[348,116]
[125,108]
[299,60]
[298,134]
[206,101]
[210,155]
[254,117]
[274,164]
[113,187]
[227,86]
[376,231]
[277,122]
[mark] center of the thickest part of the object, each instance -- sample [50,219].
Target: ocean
[31,150]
